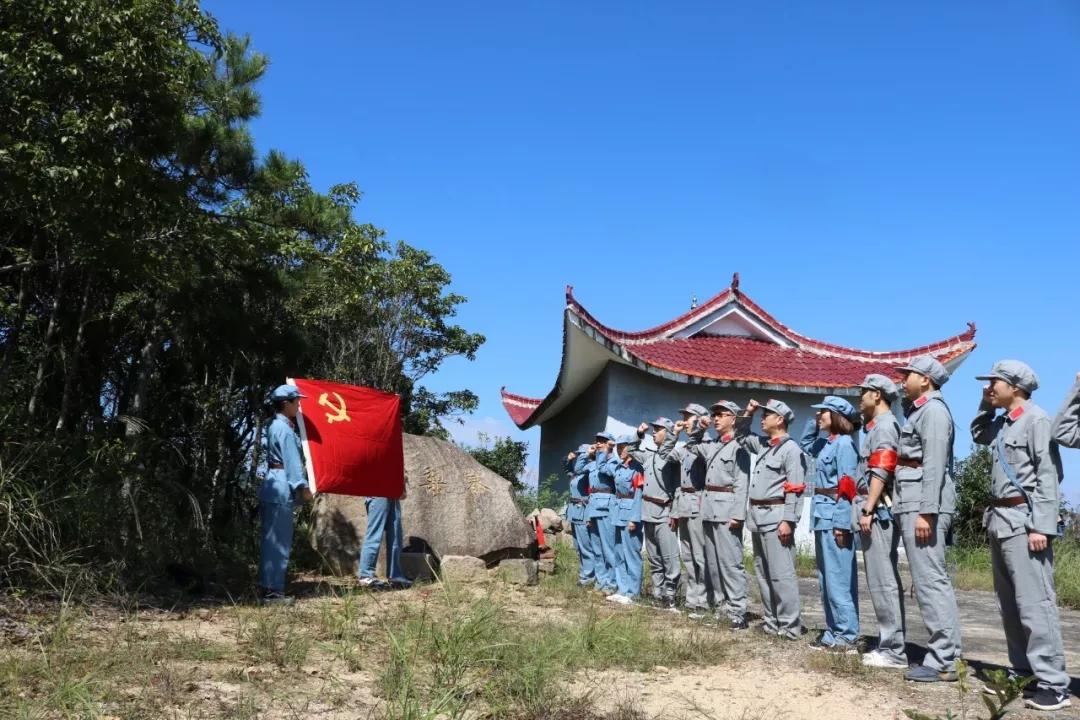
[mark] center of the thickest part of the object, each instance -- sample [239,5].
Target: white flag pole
[304,442]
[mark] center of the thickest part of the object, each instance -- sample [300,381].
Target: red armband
[884,460]
[846,489]
[638,482]
[797,489]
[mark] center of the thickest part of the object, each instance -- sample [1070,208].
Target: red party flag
[352,439]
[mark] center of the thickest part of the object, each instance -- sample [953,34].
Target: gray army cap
[927,366]
[781,409]
[882,384]
[663,422]
[694,409]
[721,405]
[1015,373]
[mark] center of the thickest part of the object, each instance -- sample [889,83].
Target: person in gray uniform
[661,483]
[686,512]
[925,504]
[1021,520]
[1066,426]
[873,515]
[727,482]
[776,502]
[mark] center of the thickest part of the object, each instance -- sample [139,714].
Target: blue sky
[878,173]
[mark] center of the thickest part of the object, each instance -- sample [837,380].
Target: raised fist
[752,406]
[571,456]
[703,422]
[678,426]
[642,428]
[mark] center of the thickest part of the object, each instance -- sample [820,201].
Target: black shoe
[272,597]
[740,624]
[400,584]
[1047,699]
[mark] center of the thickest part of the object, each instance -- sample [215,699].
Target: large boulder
[455,506]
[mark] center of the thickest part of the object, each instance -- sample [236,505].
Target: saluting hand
[986,394]
[752,406]
[1078,376]
[703,422]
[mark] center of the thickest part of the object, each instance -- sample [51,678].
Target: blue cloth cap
[583,448]
[1014,373]
[605,435]
[882,384]
[837,405]
[928,367]
[626,439]
[286,392]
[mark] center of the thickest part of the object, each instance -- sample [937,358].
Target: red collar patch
[870,425]
[833,437]
[1015,414]
[726,438]
[775,441]
[921,401]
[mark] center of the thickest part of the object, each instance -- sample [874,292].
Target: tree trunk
[50,337]
[72,371]
[13,338]
[221,470]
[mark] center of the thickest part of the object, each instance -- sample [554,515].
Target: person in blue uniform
[599,512]
[282,489]
[829,438]
[629,480]
[575,513]
[383,519]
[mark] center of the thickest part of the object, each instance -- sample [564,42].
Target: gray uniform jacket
[781,465]
[1066,428]
[926,441]
[661,479]
[1035,460]
[727,465]
[691,476]
[882,433]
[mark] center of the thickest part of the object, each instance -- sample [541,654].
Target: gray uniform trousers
[726,571]
[934,592]
[774,565]
[1024,583]
[886,588]
[662,549]
[692,546]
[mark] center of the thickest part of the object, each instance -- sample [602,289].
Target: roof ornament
[693,302]
[735,283]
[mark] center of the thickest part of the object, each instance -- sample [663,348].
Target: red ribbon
[638,481]
[797,489]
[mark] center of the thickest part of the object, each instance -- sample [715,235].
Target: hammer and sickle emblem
[338,409]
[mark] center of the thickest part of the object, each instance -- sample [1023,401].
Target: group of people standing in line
[690,503]
[283,487]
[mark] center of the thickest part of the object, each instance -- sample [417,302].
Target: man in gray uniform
[661,483]
[727,481]
[1066,427]
[1021,521]
[873,513]
[926,503]
[776,502]
[686,512]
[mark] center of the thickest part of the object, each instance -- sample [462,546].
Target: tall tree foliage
[157,277]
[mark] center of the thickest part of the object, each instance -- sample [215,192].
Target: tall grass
[973,569]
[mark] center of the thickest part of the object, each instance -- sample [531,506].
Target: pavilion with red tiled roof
[728,347]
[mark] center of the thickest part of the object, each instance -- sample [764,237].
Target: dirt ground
[327,657]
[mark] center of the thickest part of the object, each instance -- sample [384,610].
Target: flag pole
[304,442]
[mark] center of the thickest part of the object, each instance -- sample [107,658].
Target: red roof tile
[804,363]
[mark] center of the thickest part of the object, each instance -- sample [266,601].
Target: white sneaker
[622,600]
[614,597]
[879,659]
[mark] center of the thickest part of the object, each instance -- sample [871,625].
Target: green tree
[158,277]
[501,455]
[972,495]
